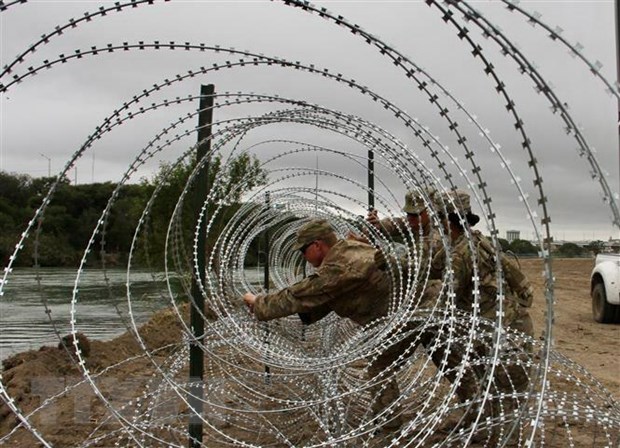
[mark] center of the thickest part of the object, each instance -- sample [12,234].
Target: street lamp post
[49,165]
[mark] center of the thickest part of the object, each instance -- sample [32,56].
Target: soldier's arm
[462,269]
[438,265]
[289,301]
[387,226]
[517,281]
[309,294]
[460,264]
[392,226]
[434,286]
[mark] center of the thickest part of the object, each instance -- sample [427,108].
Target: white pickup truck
[605,288]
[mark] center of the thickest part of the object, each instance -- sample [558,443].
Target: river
[102,310]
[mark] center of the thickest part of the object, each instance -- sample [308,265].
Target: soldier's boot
[508,431]
[512,381]
[382,398]
[475,427]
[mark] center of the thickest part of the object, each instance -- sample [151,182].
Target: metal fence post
[197,324]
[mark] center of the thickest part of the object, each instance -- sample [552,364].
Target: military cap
[414,201]
[457,201]
[312,231]
[461,205]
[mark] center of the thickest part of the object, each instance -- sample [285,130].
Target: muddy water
[32,310]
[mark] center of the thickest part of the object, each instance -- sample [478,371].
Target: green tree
[504,244]
[570,250]
[14,187]
[227,183]
[74,211]
[66,226]
[523,247]
[595,247]
[124,218]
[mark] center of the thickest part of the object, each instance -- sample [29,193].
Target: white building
[512,235]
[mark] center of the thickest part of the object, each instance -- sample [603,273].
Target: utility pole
[197,323]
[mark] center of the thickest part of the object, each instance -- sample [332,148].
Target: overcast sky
[46,118]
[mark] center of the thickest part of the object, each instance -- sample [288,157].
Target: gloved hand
[373,218]
[249,300]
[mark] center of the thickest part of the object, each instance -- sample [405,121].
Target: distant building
[512,235]
[612,246]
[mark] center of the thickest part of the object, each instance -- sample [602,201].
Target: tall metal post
[266,282]
[617,16]
[371,179]
[266,276]
[197,324]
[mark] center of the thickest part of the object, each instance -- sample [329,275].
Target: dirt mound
[29,375]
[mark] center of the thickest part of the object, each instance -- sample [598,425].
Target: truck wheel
[602,311]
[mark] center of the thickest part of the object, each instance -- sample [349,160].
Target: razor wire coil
[319,375]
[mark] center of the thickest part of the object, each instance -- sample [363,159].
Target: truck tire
[603,311]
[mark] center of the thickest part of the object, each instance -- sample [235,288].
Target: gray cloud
[55,111]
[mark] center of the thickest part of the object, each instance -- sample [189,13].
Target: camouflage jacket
[393,226]
[348,282]
[428,245]
[399,226]
[463,284]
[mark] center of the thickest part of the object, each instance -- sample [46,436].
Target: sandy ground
[76,414]
[575,334]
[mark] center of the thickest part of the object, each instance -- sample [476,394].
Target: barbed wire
[283,383]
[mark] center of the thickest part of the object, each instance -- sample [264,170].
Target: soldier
[416,218]
[346,281]
[511,374]
[518,292]
[428,242]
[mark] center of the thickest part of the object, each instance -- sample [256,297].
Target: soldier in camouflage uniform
[510,375]
[428,242]
[346,281]
[416,219]
[416,223]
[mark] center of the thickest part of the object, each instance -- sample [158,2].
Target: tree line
[566,250]
[74,211]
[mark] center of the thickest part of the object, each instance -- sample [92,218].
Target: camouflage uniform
[510,375]
[515,314]
[428,243]
[348,282]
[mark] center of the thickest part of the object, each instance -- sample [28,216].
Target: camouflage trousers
[511,372]
[450,356]
[382,370]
